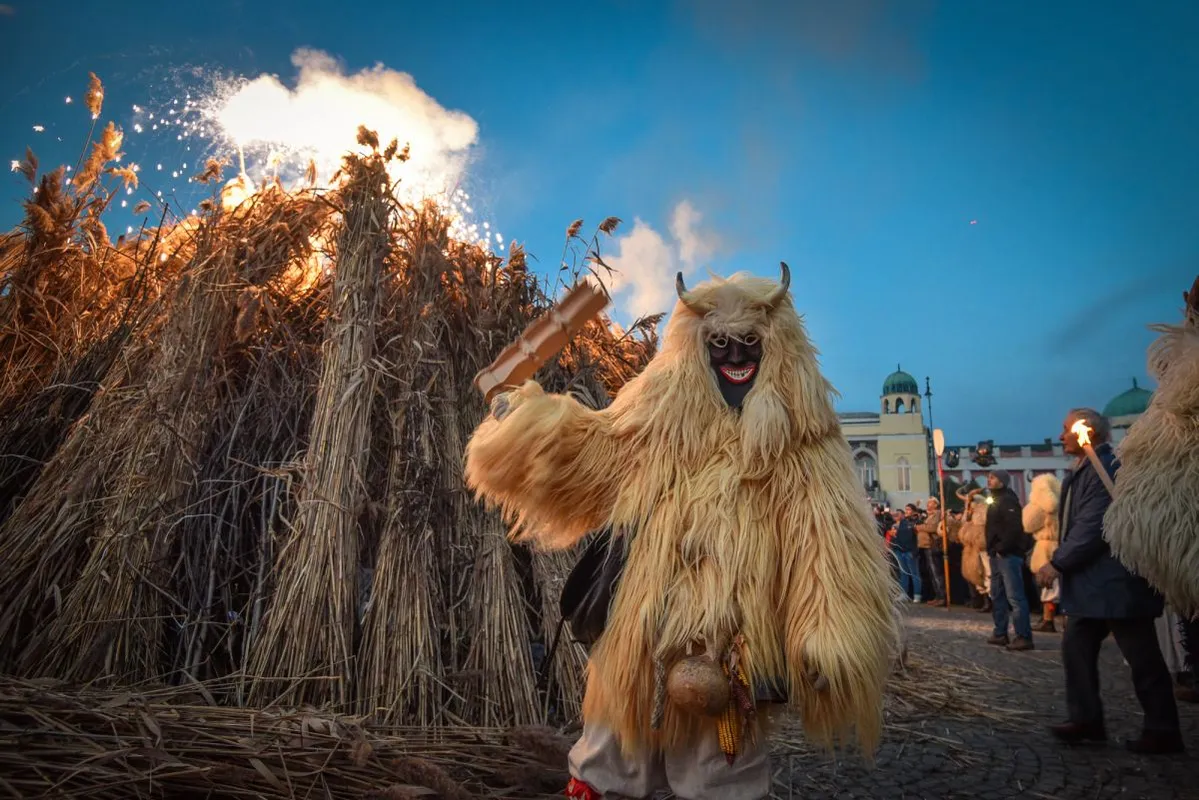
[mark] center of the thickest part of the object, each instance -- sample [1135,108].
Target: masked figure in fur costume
[1040,520]
[751,553]
[976,564]
[1153,521]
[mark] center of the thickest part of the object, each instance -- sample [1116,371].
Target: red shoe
[581,791]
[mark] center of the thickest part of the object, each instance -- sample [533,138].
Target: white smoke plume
[646,262]
[319,120]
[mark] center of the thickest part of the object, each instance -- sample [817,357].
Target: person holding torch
[1100,596]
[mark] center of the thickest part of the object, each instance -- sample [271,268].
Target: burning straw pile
[230,449]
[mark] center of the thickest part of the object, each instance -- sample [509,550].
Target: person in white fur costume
[1152,524]
[1040,520]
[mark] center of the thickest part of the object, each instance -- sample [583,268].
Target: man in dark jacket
[1101,596]
[903,545]
[1007,545]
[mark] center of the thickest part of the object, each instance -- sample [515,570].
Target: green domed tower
[901,393]
[1129,403]
[1123,409]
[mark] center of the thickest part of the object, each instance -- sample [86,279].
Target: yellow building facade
[892,447]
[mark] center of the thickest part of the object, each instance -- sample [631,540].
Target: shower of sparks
[267,130]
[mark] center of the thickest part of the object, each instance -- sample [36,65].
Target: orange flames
[1082,431]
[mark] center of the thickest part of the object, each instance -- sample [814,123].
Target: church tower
[901,394]
[903,450]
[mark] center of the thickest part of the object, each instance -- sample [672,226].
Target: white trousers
[986,562]
[1051,593]
[698,772]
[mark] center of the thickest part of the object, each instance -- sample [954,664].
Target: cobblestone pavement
[1004,751]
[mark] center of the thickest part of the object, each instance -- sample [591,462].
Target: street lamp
[984,453]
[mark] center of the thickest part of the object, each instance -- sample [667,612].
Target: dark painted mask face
[735,362]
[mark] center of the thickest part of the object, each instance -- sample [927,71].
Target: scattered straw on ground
[172,743]
[178,742]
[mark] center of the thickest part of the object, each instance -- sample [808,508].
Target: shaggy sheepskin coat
[1153,522]
[973,536]
[749,523]
[1040,518]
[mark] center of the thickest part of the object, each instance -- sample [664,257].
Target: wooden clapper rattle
[542,340]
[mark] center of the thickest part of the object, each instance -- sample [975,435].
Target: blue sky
[857,141]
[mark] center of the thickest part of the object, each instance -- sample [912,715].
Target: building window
[867,470]
[905,474]
[899,405]
[886,406]
[915,406]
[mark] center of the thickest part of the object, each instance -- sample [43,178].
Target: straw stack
[308,640]
[259,481]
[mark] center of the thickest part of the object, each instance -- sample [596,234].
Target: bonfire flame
[1083,431]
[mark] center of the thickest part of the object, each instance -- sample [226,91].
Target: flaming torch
[1083,432]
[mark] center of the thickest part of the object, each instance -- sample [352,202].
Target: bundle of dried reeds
[109,620]
[407,645]
[307,649]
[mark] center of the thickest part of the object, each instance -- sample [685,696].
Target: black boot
[1186,694]
[1076,732]
[1156,743]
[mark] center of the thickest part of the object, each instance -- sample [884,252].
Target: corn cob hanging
[728,731]
[733,724]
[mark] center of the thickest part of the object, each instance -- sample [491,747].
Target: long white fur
[1153,521]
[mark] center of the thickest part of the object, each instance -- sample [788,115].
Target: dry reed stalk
[308,642]
[400,658]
